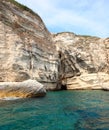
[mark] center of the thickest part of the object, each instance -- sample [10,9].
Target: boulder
[27,88]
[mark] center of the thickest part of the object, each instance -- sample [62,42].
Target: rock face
[84,61]
[28,88]
[59,61]
[26,47]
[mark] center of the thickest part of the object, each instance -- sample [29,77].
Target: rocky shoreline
[58,61]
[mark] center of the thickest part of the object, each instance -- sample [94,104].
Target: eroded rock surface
[26,47]
[28,88]
[29,51]
[84,61]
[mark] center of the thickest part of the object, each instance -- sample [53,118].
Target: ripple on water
[62,110]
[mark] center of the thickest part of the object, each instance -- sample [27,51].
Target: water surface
[61,110]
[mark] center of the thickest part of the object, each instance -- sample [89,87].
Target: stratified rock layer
[26,47]
[28,88]
[59,61]
[84,61]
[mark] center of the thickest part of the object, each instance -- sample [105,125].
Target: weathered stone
[28,88]
[81,58]
[29,51]
[26,47]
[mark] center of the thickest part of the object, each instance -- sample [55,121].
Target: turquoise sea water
[61,110]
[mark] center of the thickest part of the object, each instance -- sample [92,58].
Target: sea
[58,110]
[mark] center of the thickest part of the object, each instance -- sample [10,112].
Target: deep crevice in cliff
[67,68]
[63,87]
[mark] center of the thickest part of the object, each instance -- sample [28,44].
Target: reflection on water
[62,110]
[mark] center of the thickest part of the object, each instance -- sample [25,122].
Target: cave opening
[64,87]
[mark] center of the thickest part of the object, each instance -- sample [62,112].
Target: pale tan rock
[28,88]
[93,81]
[26,47]
[105,86]
[84,61]
[29,51]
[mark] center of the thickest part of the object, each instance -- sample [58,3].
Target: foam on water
[9,98]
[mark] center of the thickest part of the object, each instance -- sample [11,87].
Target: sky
[84,17]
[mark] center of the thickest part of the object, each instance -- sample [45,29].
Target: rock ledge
[28,88]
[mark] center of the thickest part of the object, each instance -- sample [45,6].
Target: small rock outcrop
[28,88]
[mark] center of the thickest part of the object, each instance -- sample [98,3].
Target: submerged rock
[28,88]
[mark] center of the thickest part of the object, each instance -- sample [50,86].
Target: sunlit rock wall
[84,60]
[26,48]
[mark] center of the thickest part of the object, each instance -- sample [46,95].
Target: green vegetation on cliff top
[23,7]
